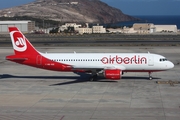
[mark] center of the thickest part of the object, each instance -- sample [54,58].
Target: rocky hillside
[91,11]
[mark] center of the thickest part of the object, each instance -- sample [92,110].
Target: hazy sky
[131,7]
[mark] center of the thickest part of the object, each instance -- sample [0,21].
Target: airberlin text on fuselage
[126,60]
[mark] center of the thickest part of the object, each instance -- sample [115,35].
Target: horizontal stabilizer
[17,59]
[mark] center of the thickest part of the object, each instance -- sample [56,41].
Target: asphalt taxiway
[35,94]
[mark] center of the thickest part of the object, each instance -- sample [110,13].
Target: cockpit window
[163,59]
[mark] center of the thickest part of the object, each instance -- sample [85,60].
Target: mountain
[91,11]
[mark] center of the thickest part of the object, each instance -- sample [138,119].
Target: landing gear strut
[150,77]
[93,77]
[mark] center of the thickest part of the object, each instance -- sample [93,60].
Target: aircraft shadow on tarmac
[76,79]
[4,76]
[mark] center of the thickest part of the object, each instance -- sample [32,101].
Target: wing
[97,68]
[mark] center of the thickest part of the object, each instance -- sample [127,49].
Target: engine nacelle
[113,74]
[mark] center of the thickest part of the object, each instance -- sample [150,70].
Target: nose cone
[170,65]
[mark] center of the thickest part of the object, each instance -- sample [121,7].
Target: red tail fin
[26,54]
[20,43]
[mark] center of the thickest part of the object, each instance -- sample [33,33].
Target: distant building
[98,29]
[84,30]
[94,29]
[128,30]
[24,26]
[112,30]
[74,3]
[65,27]
[144,27]
[72,25]
[166,28]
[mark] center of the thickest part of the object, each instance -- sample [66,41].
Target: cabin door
[151,60]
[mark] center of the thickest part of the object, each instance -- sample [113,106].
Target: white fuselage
[123,61]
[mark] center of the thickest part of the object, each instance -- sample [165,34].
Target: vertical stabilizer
[20,43]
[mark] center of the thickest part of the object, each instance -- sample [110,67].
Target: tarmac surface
[28,93]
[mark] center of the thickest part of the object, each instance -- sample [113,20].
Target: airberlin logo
[126,60]
[18,41]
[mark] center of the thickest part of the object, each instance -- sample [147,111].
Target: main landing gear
[93,77]
[150,77]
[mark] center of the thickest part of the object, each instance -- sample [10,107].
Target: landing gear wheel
[150,77]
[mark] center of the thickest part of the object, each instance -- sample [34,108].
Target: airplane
[111,65]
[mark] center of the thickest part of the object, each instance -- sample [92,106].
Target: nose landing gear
[150,76]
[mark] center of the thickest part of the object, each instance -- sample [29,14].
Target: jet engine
[113,74]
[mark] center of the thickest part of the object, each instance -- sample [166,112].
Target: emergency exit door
[39,60]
